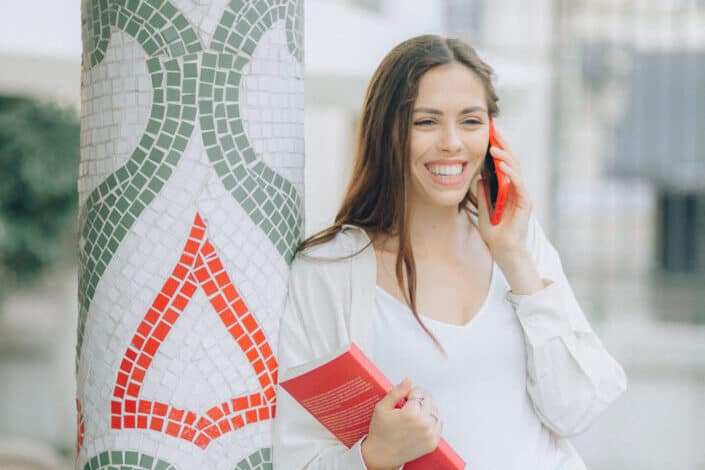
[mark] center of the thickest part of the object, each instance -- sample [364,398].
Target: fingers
[501,141]
[522,195]
[397,393]
[506,156]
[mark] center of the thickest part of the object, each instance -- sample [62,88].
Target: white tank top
[479,388]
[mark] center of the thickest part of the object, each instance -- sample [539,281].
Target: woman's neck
[434,232]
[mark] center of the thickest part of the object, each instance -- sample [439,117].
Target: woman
[475,322]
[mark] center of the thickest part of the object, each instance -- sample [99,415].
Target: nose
[449,140]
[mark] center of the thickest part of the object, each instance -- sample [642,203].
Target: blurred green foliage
[39,157]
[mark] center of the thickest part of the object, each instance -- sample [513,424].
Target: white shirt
[570,378]
[479,387]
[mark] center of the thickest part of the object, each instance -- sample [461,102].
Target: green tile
[255,459]
[221,168]
[189,36]
[168,10]
[145,11]
[177,49]
[214,154]
[157,21]
[157,80]
[180,143]
[158,111]
[155,185]
[164,141]
[180,22]
[243,28]
[228,18]
[209,138]
[104,458]
[158,96]
[173,111]
[170,126]
[148,168]
[229,182]
[173,157]
[150,46]
[207,75]
[131,458]
[116,456]
[205,90]
[224,60]
[173,94]
[190,70]
[189,86]
[249,46]
[153,126]
[146,461]
[189,113]
[173,79]
[185,129]
[170,34]
[164,172]
[146,141]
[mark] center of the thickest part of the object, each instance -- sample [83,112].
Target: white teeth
[446,170]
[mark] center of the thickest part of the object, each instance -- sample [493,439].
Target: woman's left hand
[506,240]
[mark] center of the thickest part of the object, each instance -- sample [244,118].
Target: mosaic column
[190,191]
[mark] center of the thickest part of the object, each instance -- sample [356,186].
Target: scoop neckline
[444,324]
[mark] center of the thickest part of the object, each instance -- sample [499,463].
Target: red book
[341,391]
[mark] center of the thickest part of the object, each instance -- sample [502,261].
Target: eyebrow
[470,109]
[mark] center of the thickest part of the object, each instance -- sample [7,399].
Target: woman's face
[449,135]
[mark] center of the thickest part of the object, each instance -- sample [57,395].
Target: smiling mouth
[446,170]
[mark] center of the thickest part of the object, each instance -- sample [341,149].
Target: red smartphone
[497,183]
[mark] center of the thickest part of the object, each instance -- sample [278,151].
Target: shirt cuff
[549,313]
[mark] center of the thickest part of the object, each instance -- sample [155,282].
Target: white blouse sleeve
[571,379]
[299,440]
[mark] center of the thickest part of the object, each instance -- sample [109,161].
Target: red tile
[171,315]
[170,287]
[145,407]
[240,403]
[215,413]
[218,303]
[173,429]
[240,307]
[160,302]
[157,424]
[237,422]
[251,416]
[176,414]
[160,409]
[188,433]
[161,331]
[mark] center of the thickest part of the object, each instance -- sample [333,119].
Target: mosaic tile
[260,460]
[199,267]
[126,460]
[80,428]
[186,95]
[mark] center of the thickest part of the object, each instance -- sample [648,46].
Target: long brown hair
[376,196]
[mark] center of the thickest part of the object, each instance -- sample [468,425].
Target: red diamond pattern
[198,266]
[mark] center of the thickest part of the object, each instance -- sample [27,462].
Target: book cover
[341,391]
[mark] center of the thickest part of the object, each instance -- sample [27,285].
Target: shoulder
[333,256]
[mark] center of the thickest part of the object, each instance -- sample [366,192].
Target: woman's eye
[425,122]
[472,122]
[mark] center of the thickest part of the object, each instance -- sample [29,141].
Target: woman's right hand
[398,435]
